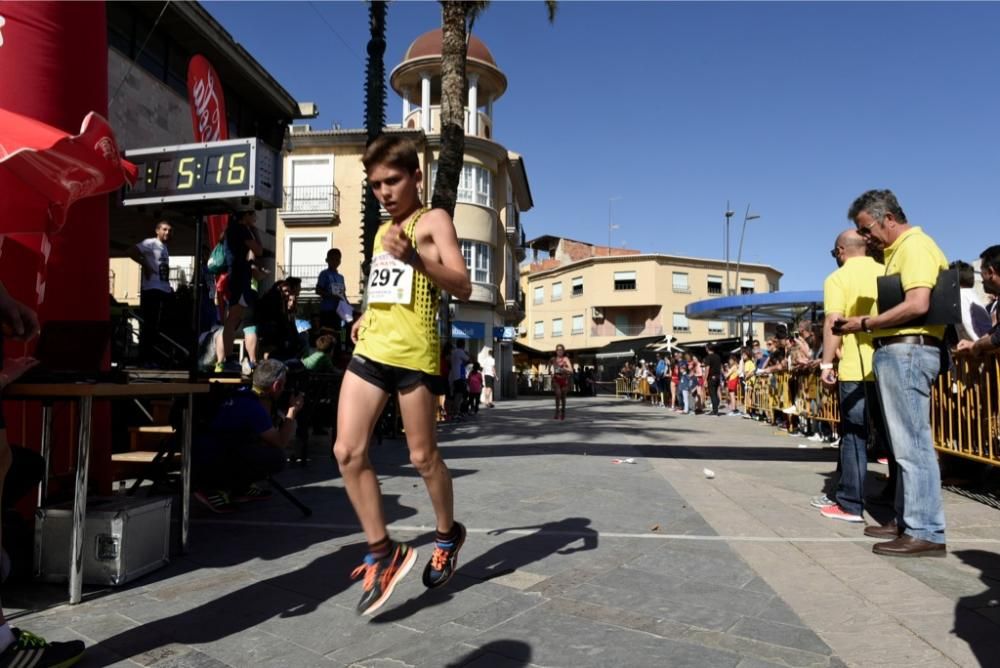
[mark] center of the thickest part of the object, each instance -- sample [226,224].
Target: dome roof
[429,44]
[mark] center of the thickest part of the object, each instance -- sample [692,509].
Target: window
[557,327]
[716,327]
[311,187]
[475,185]
[681,323]
[746,286]
[681,282]
[477,260]
[624,280]
[539,294]
[578,286]
[714,285]
[557,291]
[539,329]
[577,324]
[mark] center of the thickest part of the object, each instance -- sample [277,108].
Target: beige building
[324,181]
[587,296]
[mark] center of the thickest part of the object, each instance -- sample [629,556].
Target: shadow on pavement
[551,538]
[971,621]
[289,595]
[496,654]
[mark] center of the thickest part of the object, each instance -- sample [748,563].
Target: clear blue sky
[794,108]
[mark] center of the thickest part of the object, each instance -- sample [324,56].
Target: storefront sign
[461,329]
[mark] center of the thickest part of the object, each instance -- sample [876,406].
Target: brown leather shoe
[890,530]
[908,546]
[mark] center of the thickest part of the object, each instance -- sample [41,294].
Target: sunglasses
[867,231]
[834,252]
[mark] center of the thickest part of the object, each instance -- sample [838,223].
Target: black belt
[913,339]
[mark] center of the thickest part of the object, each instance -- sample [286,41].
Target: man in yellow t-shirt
[850,291]
[416,255]
[907,360]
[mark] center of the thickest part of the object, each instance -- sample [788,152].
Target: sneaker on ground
[217,501]
[254,492]
[815,438]
[444,560]
[835,512]
[246,368]
[382,575]
[821,501]
[30,651]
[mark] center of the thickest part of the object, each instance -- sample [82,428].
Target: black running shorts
[391,379]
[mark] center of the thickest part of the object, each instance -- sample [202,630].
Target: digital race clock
[208,177]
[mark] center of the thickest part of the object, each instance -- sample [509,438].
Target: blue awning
[777,306]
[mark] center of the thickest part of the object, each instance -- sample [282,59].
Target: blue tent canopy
[771,306]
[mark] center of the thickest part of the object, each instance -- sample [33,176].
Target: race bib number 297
[389,281]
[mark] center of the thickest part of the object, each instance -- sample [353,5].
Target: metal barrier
[965,415]
[964,411]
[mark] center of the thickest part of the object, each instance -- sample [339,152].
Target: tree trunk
[453,52]
[375,94]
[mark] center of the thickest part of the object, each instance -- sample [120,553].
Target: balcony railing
[307,272]
[608,329]
[311,202]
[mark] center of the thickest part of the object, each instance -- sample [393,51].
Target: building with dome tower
[324,181]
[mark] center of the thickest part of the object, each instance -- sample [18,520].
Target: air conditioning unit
[300,129]
[597,312]
[522,331]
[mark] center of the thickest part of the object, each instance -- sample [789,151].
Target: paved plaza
[571,560]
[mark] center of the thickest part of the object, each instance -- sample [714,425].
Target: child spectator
[685,385]
[475,381]
[319,360]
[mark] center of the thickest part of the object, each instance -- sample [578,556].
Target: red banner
[208,114]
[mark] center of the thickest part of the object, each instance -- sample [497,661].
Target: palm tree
[457,19]
[374,121]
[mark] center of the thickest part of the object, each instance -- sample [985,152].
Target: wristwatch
[864,326]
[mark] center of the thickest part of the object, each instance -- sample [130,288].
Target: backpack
[220,259]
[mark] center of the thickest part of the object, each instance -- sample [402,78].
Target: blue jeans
[850,492]
[905,374]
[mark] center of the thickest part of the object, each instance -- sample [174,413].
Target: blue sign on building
[461,329]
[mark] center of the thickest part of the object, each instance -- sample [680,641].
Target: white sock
[6,636]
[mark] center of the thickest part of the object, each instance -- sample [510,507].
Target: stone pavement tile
[776,633]
[432,649]
[362,639]
[720,568]
[559,640]
[95,656]
[884,645]
[966,638]
[689,633]
[778,611]
[499,611]
[654,601]
[193,659]
[257,647]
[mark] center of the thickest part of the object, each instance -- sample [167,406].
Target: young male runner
[416,255]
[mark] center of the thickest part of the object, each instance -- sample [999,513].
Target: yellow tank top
[404,335]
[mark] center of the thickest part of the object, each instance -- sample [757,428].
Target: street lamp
[729,214]
[739,255]
[611,226]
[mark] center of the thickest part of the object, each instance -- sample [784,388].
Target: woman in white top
[489,365]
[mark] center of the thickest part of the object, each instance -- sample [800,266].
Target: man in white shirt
[154,258]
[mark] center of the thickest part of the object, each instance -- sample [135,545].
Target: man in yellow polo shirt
[907,360]
[850,291]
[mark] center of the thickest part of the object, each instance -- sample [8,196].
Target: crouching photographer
[246,440]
